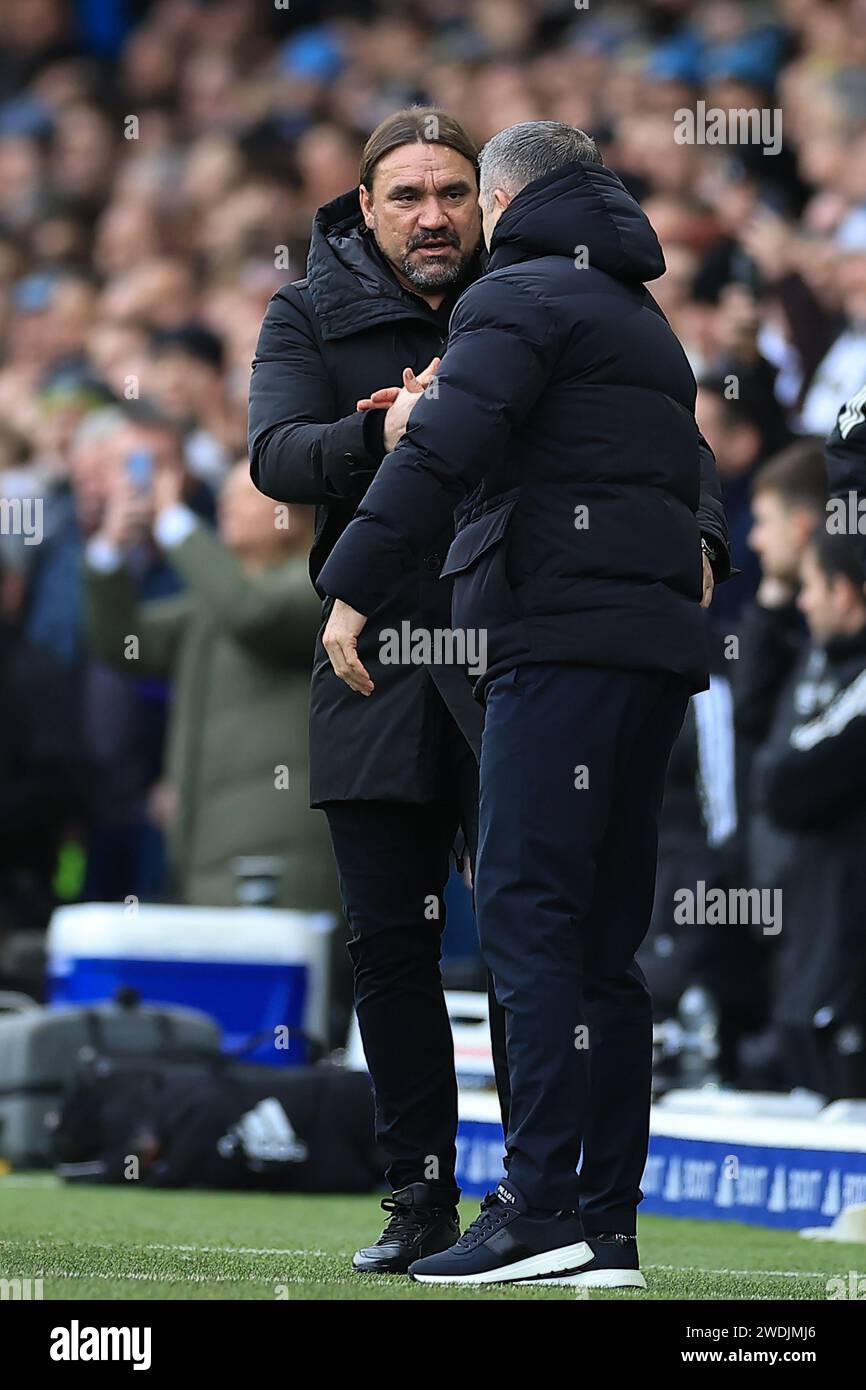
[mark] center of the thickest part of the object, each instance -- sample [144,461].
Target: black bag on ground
[217,1123]
[42,1049]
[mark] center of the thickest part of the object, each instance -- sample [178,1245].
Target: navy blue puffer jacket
[563,432]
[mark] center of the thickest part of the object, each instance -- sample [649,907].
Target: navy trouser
[572,773]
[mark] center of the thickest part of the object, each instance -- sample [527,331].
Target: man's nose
[432,215]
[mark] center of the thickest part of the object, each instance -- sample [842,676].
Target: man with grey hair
[562,427]
[522,153]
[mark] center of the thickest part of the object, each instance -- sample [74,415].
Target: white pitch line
[325,1254]
[158,1278]
[350,1281]
[37,1180]
[345,1281]
[234,1250]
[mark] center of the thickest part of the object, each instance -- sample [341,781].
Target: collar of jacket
[580,208]
[349,281]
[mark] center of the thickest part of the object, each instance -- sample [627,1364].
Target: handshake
[400,401]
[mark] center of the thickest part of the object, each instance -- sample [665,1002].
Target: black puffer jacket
[565,408]
[327,341]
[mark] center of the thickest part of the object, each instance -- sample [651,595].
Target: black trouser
[394,861]
[572,774]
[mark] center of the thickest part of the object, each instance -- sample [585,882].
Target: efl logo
[77,1343]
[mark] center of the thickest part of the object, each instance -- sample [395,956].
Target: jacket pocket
[478,536]
[482,598]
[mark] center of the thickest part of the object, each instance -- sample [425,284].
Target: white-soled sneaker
[615,1265]
[505,1245]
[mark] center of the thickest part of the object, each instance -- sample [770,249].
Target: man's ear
[501,198]
[366,201]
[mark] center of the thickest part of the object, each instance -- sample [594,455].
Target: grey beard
[435,277]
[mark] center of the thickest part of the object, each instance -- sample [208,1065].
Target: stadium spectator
[842,370]
[706,833]
[700,840]
[188,385]
[237,644]
[788,502]
[40,779]
[813,785]
[119,725]
[733,433]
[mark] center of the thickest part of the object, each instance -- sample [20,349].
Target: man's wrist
[391,437]
[374,434]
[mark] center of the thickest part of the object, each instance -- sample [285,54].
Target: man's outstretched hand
[340,641]
[399,401]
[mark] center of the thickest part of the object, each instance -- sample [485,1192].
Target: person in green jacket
[237,645]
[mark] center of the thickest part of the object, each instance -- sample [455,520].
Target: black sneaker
[614,1265]
[504,1244]
[419,1225]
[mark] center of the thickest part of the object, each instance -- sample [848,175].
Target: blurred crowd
[160,164]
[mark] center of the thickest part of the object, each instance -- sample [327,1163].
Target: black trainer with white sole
[615,1264]
[420,1223]
[505,1244]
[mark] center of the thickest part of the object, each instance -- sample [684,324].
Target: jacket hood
[349,281]
[579,205]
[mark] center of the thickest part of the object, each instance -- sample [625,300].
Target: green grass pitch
[113,1243]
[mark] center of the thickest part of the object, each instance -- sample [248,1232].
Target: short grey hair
[522,153]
